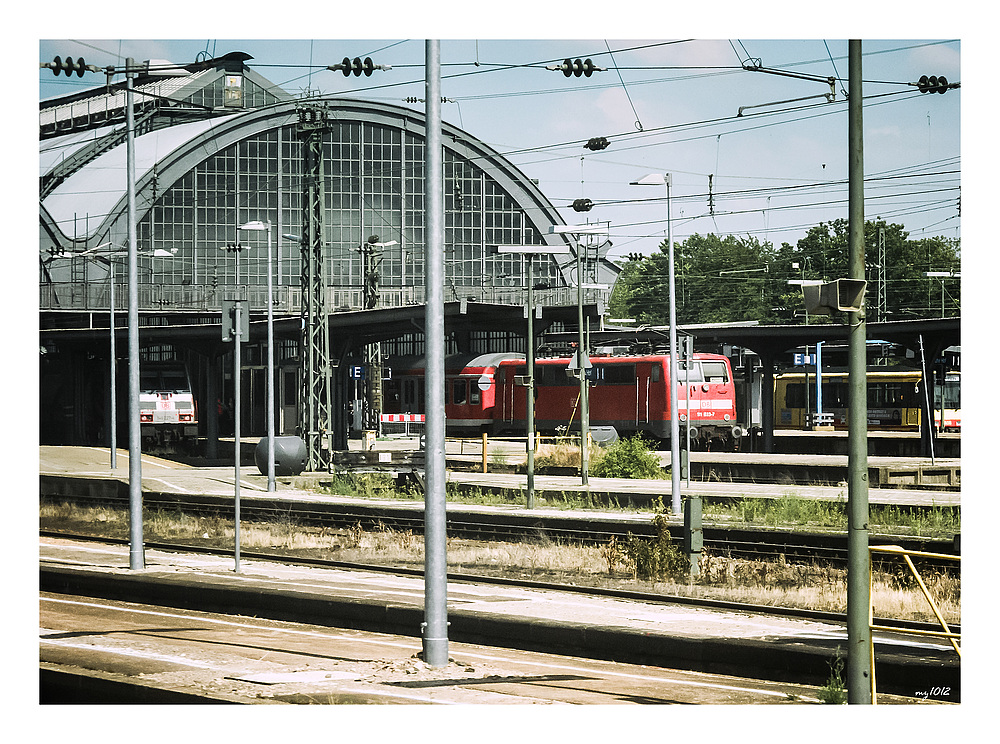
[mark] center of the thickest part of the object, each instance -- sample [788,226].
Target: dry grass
[770,583]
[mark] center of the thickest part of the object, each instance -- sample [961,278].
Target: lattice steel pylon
[315,402]
[371,258]
[882,308]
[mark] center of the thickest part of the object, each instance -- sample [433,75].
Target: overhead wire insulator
[597,143]
[358,66]
[933,84]
[582,205]
[68,66]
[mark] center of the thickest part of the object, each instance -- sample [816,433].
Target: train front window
[458,396]
[952,395]
[715,371]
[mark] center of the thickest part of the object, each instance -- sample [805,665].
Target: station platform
[655,634]
[88,467]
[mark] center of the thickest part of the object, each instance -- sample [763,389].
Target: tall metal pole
[114,371]
[530,388]
[435,626]
[136,553]
[859,663]
[584,357]
[237,363]
[675,438]
[270,367]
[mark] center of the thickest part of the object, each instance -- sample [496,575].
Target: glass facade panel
[372,187]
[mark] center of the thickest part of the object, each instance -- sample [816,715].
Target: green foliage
[726,279]
[834,693]
[655,559]
[627,458]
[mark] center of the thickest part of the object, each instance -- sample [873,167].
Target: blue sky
[665,105]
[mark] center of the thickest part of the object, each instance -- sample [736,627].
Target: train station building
[218,147]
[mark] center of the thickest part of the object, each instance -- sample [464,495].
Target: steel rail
[744,542]
[885,624]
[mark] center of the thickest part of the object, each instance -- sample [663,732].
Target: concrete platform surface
[664,635]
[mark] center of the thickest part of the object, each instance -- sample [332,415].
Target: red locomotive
[629,392]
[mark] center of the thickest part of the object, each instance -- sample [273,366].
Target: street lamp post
[530,251]
[262,226]
[655,179]
[108,257]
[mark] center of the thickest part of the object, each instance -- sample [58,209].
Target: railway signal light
[582,205]
[933,84]
[229,321]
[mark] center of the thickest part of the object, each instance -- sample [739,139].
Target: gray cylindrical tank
[604,436]
[289,455]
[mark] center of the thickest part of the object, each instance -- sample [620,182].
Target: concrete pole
[270,367]
[583,356]
[530,387]
[114,371]
[136,553]
[435,626]
[859,671]
[675,429]
[237,394]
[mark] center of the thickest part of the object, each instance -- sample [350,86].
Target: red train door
[642,376]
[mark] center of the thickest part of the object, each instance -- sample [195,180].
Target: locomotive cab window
[715,371]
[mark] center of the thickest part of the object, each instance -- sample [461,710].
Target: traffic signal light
[69,66]
[577,67]
[582,205]
[597,143]
[932,84]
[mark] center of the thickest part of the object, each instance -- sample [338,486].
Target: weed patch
[627,458]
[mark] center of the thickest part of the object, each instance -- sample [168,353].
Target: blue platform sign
[357,372]
[801,359]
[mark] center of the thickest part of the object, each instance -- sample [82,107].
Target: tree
[732,278]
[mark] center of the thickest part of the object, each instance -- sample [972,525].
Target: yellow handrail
[952,637]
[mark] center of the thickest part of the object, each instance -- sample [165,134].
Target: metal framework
[371,257]
[315,401]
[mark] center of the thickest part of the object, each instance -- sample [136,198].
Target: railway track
[753,543]
[802,614]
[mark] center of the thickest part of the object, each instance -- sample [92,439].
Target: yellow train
[896,400]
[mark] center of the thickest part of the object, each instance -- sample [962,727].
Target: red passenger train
[629,392]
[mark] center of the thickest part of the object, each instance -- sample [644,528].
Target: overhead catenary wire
[666,130]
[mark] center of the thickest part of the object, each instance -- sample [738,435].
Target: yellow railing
[945,632]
